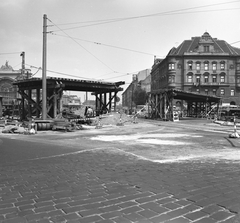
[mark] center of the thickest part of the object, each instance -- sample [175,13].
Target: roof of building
[192,46]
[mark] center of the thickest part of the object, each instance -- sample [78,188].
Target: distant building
[8,92]
[143,80]
[203,65]
[71,101]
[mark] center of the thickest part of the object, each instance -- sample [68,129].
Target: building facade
[8,91]
[203,65]
[143,80]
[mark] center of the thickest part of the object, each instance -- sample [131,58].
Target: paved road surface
[147,172]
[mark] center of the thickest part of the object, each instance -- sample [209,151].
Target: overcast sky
[108,40]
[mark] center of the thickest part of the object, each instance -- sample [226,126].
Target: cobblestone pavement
[106,185]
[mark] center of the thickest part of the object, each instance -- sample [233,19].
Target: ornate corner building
[9,92]
[203,65]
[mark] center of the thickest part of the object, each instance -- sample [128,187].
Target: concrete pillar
[1,104]
[38,101]
[55,96]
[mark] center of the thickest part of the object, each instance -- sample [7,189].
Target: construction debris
[32,126]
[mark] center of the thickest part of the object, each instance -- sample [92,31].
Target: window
[206,66]
[232,92]
[222,79]
[238,66]
[171,79]
[238,79]
[206,49]
[198,66]
[214,92]
[214,78]
[222,65]
[222,91]
[189,78]
[214,67]
[190,66]
[197,90]
[198,79]
[206,79]
[206,91]
[171,66]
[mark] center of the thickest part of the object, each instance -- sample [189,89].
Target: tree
[139,96]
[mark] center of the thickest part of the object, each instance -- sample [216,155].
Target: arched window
[190,77]
[198,66]
[222,77]
[214,66]
[222,65]
[190,65]
[206,65]
[206,77]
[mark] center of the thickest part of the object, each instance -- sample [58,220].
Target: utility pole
[44,69]
[23,63]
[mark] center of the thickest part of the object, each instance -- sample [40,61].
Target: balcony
[172,71]
[171,84]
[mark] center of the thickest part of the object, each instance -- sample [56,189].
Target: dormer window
[206,49]
[171,66]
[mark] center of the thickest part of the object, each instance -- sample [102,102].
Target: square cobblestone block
[196,215]
[171,206]
[121,220]
[212,209]
[131,210]
[179,220]
[8,210]
[71,216]
[166,200]
[112,214]
[44,209]
[161,218]
[91,212]
[221,215]
[205,220]
[90,219]
[35,217]
[110,208]
[128,204]
[15,220]
[148,213]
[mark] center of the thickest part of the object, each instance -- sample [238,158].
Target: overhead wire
[103,44]
[100,22]
[234,42]
[83,47]
[10,53]
[56,72]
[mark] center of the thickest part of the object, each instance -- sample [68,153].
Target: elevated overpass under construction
[163,103]
[31,94]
